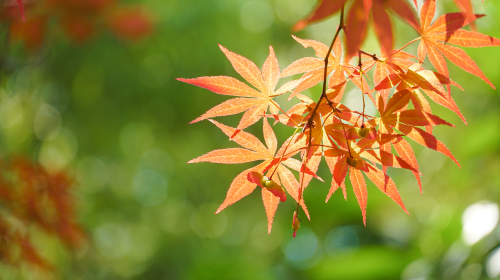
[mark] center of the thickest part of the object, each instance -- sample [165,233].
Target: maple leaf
[339,165]
[429,82]
[394,117]
[406,121]
[255,106]
[357,20]
[389,66]
[255,150]
[438,38]
[466,7]
[314,68]
[324,9]
[382,23]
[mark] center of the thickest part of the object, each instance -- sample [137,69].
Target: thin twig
[409,43]
[323,95]
[276,105]
[284,151]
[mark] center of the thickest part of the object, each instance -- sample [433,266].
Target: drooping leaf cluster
[354,145]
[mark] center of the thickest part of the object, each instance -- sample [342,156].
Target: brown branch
[323,95]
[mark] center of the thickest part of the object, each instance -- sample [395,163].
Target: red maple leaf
[314,69]
[438,38]
[272,161]
[429,82]
[340,162]
[257,101]
[357,20]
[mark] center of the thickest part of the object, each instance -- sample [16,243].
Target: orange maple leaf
[388,67]
[396,115]
[339,165]
[258,100]
[314,68]
[438,38]
[255,150]
[357,20]
[427,81]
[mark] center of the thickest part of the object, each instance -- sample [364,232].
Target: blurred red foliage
[30,198]
[130,24]
[31,32]
[78,19]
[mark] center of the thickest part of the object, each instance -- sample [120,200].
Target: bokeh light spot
[302,248]
[58,153]
[47,123]
[472,272]
[341,239]
[256,16]
[112,240]
[292,11]
[478,220]
[417,270]
[155,71]
[149,187]
[206,224]
[135,139]
[493,264]
[11,111]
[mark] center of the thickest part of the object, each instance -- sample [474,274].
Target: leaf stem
[360,65]
[274,103]
[313,113]
[283,154]
[407,44]
[374,56]
[312,145]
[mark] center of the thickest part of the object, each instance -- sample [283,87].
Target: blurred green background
[112,114]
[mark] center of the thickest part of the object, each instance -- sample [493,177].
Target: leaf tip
[223,49]
[301,24]
[295,38]
[221,207]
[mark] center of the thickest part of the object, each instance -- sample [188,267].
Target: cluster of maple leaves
[352,143]
[79,19]
[359,15]
[33,198]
